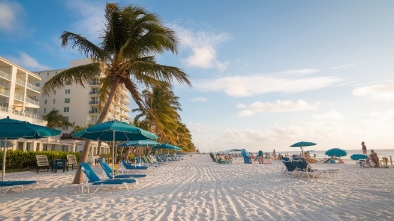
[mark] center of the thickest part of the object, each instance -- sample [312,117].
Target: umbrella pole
[113,155]
[4,153]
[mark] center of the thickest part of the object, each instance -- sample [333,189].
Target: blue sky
[265,74]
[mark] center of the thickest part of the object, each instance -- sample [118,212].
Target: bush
[22,160]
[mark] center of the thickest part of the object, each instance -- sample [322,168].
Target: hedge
[22,160]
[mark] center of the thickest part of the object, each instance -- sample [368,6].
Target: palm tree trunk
[86,148]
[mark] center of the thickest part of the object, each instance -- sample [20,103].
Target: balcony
[5,75]
[31,101]
[93,112]
[94,102]
[18,97]
[4,92]
[20,82]
[33,87]
[93,92]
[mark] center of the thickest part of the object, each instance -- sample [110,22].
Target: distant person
[374,157]
[364,148]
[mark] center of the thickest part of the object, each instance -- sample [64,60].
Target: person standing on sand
[364,148]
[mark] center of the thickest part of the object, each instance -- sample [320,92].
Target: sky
[265,74]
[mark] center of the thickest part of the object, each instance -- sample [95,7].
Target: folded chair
[108,171]
[94,180]
[8,185]
[42,162]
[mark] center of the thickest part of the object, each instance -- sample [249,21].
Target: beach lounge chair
[289,167]
[94,180]
[8,185]
[132,167]
[305,169]
[71,161]
[42,162]
[108,172]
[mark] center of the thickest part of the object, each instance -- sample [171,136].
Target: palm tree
[160,115]
[125,57]
[55,120]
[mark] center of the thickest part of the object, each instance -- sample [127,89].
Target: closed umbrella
[114,131]
[336,152]
[15,129]
[302,144]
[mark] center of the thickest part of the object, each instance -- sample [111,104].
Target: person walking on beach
[364,148]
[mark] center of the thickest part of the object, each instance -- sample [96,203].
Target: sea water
[321,154]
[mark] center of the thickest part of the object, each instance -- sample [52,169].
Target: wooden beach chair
[42,162]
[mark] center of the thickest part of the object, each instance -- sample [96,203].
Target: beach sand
[198,189]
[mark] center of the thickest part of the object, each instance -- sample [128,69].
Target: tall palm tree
[125,57]
[160,115]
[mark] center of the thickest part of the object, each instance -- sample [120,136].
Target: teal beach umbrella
[15,129]
[336,152]
[302,144]
[114,131]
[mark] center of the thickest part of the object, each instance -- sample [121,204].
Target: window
[45,147]
[67,91]
[45,110]
[66,118]
[28,147]
[65,128]
[54,92]
[37,84]
[68,83]
[64,148]
[54,101]
[20,146]
[38,147]
[45,101]
[66,109]
[67,100]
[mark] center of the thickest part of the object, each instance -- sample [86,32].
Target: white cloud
[91,17]
[329,116]
[10,15]
[305,71]
[27,62]
[240,86]
[277,106]
[343,67]
[199,99]
[203,46]
[375,91]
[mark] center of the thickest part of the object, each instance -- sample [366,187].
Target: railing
[21,113]
[93,112]
[95,83]
[31,101]
[5,75]
[18,97]
[93,92]
[94,102]
[5,92]
[3,109]
[20,82]
[33,87]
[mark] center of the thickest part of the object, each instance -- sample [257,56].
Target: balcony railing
[33,87]
[31,101]
[5,75]
[95,83]
[20,82]
[94,102]
[18,97]
[93,112]
[93,92]
[5,92]
[22,113]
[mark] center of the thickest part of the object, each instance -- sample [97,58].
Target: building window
[66,109]
[66,118]
[54,92]
[45,110]
[65,128]
[20,146]
[67,100]
[64,148]
[45,101]
[28,147]
[37,84]
[54,101]
[38,147]
[68,83]
[67,91]
[45,147]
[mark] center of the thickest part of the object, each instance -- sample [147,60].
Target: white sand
[198,189]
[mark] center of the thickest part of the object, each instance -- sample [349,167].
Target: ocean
[321,154]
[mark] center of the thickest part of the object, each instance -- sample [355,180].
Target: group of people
[373,156]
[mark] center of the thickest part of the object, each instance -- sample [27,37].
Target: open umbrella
[302,144]
[140,143]
[114,131]
[358,156]
[15,129]
[167,146]
[336,152]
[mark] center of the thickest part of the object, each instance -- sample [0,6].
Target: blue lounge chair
[94,180]
[289,167]
[108,172]
[306,169]
[132,167]
[8,185]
